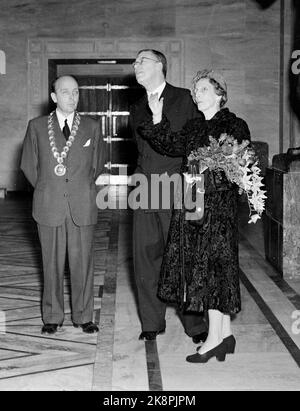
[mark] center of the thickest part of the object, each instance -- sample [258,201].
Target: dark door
[108,99]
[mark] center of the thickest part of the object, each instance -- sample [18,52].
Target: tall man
[61,159]
[150,227]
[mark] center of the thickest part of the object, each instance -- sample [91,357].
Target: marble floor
[267,330]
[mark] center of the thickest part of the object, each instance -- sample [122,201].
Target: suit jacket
[179,108]
[85,160]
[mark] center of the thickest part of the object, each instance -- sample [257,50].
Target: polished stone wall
[291,225]
[236,37]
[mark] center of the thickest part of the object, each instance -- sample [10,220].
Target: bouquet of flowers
[240,167]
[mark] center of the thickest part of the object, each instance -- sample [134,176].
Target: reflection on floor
[267,332]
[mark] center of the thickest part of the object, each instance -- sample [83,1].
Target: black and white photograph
[149,198]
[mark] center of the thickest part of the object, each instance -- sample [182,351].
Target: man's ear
[54,98]
[161,65]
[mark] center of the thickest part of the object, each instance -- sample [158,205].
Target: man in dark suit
[150,227]
[61,158]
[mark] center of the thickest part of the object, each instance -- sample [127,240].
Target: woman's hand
[156,106]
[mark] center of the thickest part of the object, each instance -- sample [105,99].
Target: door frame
[41,50]
[110,113]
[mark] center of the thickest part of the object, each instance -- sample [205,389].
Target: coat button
[67,180]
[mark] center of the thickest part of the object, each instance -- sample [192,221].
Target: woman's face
[205,96]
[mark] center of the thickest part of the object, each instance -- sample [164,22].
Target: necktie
[66,130]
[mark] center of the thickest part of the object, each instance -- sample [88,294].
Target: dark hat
[215,75]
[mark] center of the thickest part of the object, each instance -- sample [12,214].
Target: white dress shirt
[158,90]
[61,119]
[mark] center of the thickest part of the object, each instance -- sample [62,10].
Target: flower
[240,166]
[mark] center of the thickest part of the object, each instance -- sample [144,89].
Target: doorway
[107,89]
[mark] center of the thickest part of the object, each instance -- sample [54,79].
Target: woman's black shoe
[219,352]
[230,343]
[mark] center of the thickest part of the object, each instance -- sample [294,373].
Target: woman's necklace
[60,168]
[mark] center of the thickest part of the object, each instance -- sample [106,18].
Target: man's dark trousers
[55,243]
[150,231]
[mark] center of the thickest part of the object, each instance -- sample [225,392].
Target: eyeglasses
[142,60]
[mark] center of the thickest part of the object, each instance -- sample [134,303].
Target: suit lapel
[167,94]
[80,133]
[142,110]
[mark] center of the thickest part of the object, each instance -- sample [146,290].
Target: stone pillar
[291,225]
[294,72]
[282,219]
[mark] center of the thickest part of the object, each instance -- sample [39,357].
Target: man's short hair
[53,84]
[160,57]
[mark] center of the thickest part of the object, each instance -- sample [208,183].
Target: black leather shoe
[219,352]
[88,328]
[150,335]
[230,343]
[49,328]
[200,338]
